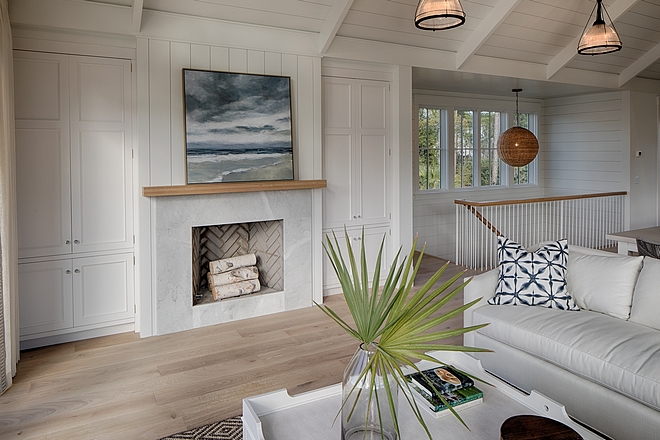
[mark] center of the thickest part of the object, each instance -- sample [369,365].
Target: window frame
[447,104]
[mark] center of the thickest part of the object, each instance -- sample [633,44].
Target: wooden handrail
[484,220]
[538,199]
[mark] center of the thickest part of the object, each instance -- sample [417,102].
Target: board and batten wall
[161,132]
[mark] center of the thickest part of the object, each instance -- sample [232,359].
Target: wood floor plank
[126,387]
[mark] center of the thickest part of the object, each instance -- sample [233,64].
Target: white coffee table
[278,416]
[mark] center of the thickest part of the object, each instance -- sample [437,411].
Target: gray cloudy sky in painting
[232,111]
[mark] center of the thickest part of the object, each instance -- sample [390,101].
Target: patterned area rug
[230,429]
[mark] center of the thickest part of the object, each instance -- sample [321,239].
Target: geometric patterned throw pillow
[535,278]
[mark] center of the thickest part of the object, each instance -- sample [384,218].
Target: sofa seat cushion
[621,355]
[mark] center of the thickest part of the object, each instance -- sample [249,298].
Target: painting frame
[238,127]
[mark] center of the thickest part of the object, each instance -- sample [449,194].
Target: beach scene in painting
[238,127]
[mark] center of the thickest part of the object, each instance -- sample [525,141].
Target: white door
[101,154]
[43,161]
[103,289]
[45,300]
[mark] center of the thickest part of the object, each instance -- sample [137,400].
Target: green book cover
[454,398]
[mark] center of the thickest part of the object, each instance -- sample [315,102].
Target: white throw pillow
[535,278]
[646,299]
[602,283]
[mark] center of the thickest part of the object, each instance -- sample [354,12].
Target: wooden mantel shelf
[231,187]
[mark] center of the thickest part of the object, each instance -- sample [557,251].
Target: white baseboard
[42,341]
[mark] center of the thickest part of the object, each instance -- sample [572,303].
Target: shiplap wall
[434,213]
[166,59]
[584,144]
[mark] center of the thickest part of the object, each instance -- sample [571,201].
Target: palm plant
[398,325]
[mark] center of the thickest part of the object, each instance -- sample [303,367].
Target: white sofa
[604,365]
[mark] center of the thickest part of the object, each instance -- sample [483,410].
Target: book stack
[455,387]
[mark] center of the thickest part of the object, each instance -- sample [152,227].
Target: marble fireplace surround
[173,218]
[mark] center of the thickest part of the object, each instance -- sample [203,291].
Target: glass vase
[360,419]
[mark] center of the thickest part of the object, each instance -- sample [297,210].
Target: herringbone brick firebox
[263,238]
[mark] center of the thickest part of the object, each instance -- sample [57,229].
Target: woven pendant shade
[517,146]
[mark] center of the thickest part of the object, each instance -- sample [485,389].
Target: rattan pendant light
[517,146]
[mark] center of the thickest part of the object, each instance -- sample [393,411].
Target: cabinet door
[355,152]
[372,241]
[44,292]
[103,289]
[101,154]
[373,153]
[41,90]
[339,144]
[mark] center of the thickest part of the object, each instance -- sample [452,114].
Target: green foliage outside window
[521,174]
[490,130]
[463,147]
[430,158]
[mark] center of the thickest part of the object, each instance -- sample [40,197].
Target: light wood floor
[124,387]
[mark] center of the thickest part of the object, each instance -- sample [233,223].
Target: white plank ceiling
[541,34]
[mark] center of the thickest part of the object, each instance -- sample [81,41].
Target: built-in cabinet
[356,165]
[74,185]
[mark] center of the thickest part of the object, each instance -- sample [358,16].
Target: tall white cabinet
[356,165]
[74,185]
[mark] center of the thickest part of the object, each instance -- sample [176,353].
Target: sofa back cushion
[646,299]
[602,283]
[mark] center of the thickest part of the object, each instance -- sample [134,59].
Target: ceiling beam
[615,10]
[488,25]
[136,24]
[640,65]
[332,22]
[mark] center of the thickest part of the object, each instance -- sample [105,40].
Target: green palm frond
[391,318]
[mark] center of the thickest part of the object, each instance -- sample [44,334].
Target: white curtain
[9,344]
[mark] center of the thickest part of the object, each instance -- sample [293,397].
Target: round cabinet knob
[359,216]
[67,272]
[77,271]
[76,241]
[67,242]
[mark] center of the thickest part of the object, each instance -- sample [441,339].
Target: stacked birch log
[231,277]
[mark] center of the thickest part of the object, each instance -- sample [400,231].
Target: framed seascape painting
[238,127]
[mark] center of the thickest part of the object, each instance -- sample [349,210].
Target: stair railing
[582,219]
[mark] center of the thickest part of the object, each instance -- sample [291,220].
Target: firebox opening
[216,242]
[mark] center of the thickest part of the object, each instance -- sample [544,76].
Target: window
[463,148]
[490,166]
[521,174]
[430,149]
[468,157]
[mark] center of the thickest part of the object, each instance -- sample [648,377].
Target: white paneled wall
[162,147]
[166,59]
[584,143]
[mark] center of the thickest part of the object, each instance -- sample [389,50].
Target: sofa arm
[482,286]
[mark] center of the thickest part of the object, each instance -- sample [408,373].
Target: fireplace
[176,217]
[262,238]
